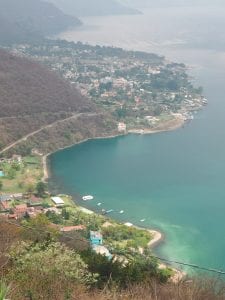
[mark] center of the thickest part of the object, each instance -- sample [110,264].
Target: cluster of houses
[15,158]
[27,205]
[31,206]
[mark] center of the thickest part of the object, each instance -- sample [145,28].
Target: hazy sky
[141,3]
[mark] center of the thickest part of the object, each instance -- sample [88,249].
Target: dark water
[175,180]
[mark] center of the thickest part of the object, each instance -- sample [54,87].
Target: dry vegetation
[33,97]
[54,285]
[192,290]
[28,88]
[67,133]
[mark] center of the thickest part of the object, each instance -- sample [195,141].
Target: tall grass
[4,290]
[192,289]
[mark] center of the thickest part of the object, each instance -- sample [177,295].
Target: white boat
[88,197]
[121,212]
[142,220]
[99,203]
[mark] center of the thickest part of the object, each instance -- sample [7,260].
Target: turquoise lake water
[175,180]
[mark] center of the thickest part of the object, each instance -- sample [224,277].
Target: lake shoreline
[157,238]
[157,235]
[171,126]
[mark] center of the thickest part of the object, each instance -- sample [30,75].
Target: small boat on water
[121,212]
[204,101]
[88,197]
[109,211]
[142,220]
[99,203]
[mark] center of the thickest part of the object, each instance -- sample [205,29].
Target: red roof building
[20,210]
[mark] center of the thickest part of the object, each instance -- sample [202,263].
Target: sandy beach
[45,168]
[157,238]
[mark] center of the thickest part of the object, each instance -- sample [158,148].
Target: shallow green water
[175,180]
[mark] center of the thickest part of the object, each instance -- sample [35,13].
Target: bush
[39,268]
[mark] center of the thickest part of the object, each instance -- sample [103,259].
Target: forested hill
[24,20]
[34,98]
[93,7]
[27,87]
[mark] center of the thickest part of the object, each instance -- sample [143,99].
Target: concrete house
[96,238]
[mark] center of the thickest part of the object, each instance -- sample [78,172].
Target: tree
[11,173]
[75,240]
[100,264]
[30,188]
[1,185]
[47,270]
[54,218]
[16,166]
[40,187]
[9,233]
[136,269]
[20,184]
[39,229]
[65,214]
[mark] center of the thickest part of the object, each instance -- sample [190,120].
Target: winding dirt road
[75,116]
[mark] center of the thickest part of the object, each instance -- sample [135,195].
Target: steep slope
[27,87]
[93,7]
[22,20]
[35,101]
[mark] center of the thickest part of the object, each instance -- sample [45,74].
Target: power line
[194,266]
[190,265]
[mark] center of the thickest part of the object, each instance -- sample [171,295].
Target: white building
[122,127]
[58,201]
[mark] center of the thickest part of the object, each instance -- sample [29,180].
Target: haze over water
[175,180]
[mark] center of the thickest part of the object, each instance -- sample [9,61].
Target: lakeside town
[28,201]
[28,197]
[140,90]
[94,205]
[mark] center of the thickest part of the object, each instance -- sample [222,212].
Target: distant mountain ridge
[22,20]
[82,8]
